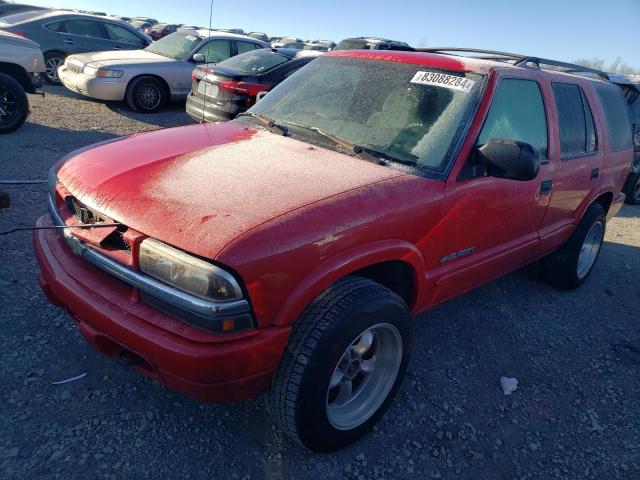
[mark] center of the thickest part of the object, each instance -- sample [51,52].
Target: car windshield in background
[410,113]
[254,62]
[176,45]
[354,45]
[159,26]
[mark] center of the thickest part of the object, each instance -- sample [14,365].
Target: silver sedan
[147,79]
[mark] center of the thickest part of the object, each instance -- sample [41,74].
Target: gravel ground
[575,414]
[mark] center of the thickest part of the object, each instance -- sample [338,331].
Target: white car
[147,79]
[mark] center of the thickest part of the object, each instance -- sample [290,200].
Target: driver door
[490,225]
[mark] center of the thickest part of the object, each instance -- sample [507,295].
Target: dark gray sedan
[61,33]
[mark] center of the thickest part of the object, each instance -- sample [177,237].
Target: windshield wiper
[267,122]
[364,153]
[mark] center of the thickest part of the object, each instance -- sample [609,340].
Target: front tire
[52,60]
[345,361]
[146,95]
[569,267]
[632,189]
[14,105]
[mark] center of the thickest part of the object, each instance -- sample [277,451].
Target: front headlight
[187,272]
[102,72]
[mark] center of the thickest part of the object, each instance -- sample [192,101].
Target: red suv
[288,250]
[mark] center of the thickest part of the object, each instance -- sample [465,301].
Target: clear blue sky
[559,29]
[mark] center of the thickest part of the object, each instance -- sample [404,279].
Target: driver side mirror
[198,58]
[508,159]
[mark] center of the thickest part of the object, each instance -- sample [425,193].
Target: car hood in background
[199,187]
[120,57]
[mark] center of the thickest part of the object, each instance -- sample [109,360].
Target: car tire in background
[14,105]
[146,94]
[52,60]
[346,358]
[632,189]
[569,266]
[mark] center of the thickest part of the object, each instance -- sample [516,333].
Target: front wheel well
[396,275]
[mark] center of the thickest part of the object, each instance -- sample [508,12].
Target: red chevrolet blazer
[288,251]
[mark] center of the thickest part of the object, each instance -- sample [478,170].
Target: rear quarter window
[616,116]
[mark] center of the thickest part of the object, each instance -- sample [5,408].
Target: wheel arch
[164,83]
[396,264]
[18,73]
[605,200]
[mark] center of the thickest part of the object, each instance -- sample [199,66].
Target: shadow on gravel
[172,115]
[629,211]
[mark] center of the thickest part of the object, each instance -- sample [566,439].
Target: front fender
[346,263]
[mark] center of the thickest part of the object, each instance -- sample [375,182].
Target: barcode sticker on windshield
[443,80]
[191,38]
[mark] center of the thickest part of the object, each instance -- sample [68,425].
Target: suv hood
[199,187]
[120,57]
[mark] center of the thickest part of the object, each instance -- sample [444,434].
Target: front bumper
[94,87]
[112,318]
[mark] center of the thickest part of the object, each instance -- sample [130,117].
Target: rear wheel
[14,105]
[633,189]
[146,95]
[52,61]
[569,267]
[346,358]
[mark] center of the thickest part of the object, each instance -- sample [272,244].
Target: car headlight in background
[187,273]
[102,72]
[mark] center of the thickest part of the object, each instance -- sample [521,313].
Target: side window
[216,51]
[122,35]
[244,47]
[55,26]
[85,28]
[517,113]
[616,116]
[575,121]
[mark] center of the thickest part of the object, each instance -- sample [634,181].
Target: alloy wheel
[364,376]
[149,96]
[590,248]
[8,104]
[51,68]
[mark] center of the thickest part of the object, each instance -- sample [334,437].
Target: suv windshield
[410,113]
[254,62]
[176,45]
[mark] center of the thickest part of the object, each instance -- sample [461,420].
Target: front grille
[75,67]
[79,210]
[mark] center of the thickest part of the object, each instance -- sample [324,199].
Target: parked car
[286,250]
[147,79]
[237,31]
[140,24]
[221,92]
[316,47]
[288,42]
[21,66]
[371,43]
[62,33]
[259,36]
[161,30]
[631,90]
[150,20]
[12,8]
[327,44]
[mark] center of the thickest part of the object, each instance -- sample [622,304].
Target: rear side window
[121,34]
[575,121]
[244,47]
[55,26]
[616,116]
[517,113]
[85,28]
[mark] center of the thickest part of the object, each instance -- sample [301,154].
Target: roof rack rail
[519,60]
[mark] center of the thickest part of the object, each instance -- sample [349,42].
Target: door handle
[69,42]
[546,186]
[594,173]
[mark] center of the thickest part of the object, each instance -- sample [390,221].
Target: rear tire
[52,60]
[345,361]
[632,189]
[146,94]
[569,267]
[14,105]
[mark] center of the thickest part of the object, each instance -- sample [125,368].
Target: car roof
[206,33]
[459,63]
[47,14]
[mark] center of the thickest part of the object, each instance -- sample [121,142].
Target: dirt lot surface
[575,414]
